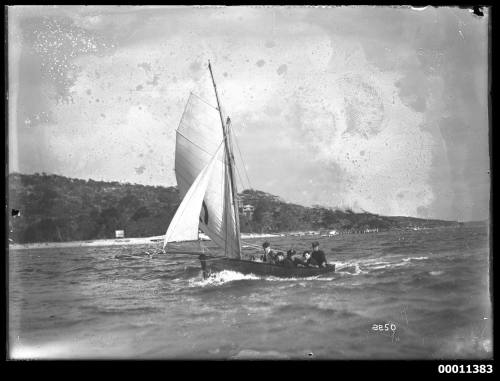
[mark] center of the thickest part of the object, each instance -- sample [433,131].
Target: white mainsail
[184,224]
[198,136]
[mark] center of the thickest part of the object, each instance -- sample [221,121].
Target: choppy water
[128,302]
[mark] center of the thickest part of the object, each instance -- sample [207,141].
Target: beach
[117,242]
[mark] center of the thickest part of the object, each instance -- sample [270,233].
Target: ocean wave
[367,265]
[467,348]
[255,355]
[402,247]
[28,270]
[351,270]
[220,278]
[227,276]
[135,310]
[293,279]
[388,265]
[435,273]
[81,269]
[20,351]
[415,259]
[304,309]
[349,267]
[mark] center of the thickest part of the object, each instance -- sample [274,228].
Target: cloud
[367,106]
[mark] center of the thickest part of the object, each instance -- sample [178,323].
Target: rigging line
[242,183]
[241,179]
[183,113]
[183,164]
[260,247]
[189,181]
[251,244]
[204,101]
[196,253]
[241,156]
[198,146]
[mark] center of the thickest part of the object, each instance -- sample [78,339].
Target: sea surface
[395,295]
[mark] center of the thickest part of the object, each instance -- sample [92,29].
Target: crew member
[289,260]
[318,255]
[269,255]
[280,259]
[309,260]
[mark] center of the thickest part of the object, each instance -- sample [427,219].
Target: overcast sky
[374,108]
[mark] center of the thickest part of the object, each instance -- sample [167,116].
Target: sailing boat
[204,168]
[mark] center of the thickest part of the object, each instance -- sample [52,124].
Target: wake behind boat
[204,169]
[212,265]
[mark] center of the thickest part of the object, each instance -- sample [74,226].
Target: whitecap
[436,273]
[226,276]
[387,265]
[341,267]
[415,259]
[221,278]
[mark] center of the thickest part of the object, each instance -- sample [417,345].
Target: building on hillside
[248,210]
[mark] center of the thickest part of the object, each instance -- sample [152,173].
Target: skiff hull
[212,265]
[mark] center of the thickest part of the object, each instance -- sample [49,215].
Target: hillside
[54,208]
[274,215]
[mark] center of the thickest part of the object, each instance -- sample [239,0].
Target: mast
[230,157]
[233,185]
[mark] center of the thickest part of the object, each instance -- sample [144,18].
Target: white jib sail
[198,136]
[184,224]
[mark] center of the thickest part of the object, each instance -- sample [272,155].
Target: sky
[381,109]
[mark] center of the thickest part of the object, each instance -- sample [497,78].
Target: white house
[248,210]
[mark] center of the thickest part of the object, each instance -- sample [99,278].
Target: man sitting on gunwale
[269,255]
[280,259]
[318,255]
[310,261]
[306,261]
[289,260]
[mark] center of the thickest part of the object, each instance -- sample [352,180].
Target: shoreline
[116,242]
[159,239]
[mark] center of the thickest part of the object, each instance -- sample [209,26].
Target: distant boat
[204,168]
